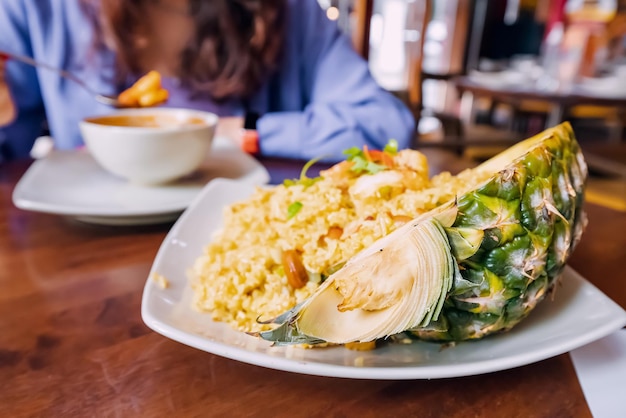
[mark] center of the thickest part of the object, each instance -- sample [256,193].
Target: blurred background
[424,51]
[480,75]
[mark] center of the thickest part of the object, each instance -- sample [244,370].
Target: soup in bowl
[150,146]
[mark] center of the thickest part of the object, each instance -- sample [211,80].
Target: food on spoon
[146,92]
[464,270]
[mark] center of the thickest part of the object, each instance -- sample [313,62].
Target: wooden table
[72,342]
[560,101]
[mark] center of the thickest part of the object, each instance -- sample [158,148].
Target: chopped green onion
[293,209]
[352,152]
[361,165]
[374,168]
[391,147]
[304,180]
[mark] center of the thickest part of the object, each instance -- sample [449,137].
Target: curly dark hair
[236,45]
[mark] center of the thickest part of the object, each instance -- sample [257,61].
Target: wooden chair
[418,18]
[363,10]
[418,15]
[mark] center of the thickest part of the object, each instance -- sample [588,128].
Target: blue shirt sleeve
[321,101]
[343,105]
[17,138]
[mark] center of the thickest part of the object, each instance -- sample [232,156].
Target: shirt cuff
[280,133]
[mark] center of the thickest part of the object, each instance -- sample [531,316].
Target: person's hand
[8,111]
[232,128]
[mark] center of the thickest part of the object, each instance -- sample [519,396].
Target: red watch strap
[250,141]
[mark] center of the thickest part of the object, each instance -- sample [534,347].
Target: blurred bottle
[593,17]
[590,11]
[550,55]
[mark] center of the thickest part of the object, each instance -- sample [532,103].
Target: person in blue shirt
[282,60]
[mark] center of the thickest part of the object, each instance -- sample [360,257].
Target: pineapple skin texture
[532,217]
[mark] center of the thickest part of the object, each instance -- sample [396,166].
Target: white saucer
[71,183]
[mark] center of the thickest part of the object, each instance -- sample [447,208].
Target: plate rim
[316,368]
[380,373]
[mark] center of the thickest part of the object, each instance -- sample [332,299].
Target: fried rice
[240,278]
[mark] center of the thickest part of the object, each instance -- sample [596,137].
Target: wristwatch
[250,136]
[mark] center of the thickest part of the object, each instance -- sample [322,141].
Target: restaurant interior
[480,75]
[99,315]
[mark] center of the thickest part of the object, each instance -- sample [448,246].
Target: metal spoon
[102,98]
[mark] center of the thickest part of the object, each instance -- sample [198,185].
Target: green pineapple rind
[531,215]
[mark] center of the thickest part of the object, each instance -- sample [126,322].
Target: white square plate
[71,183]
[579,314]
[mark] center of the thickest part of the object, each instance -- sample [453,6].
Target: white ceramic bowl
[152,145]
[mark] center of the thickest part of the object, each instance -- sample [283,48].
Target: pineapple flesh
[470,268]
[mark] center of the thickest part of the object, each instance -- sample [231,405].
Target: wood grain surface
[72,342]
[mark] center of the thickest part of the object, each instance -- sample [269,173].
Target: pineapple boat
[467,269]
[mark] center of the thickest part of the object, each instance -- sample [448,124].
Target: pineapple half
[462,271]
